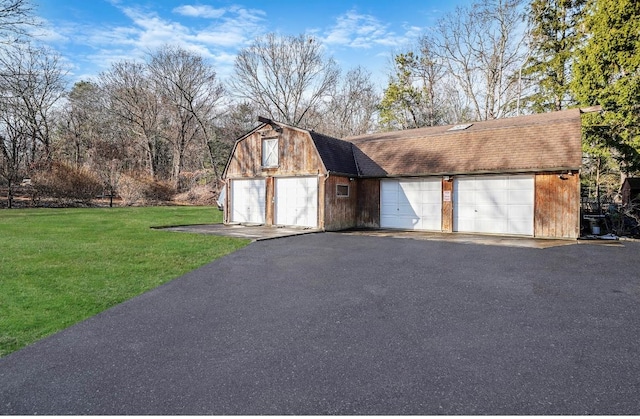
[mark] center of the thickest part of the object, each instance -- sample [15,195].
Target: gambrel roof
[541,142]
[337,155]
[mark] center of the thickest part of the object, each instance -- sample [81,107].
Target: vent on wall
[459,127]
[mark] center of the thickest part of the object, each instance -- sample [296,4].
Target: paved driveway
[344,324]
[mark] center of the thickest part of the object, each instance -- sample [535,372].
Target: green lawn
[60,266]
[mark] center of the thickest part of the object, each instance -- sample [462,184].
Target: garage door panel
[248,197]
[413,204]
[297,201]
[406,211]
[519,227]
[491,199]
[523,196]
[410,187]
[520,211]
[431,209]
[466,213]
[494,204]
[520,182]
[491,212]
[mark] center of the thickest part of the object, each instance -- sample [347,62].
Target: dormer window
[270,152]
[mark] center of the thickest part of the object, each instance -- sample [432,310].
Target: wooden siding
[447,205]
[340,212]
[557,206]
[226,210]
[270,210]
[297,155]
[368,213]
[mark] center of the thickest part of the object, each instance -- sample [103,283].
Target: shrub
[65,182]
[134,188]
[130,189]
[157,190]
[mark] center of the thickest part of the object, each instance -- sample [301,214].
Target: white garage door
[494,204]
[411,204]
[297,201]
[248,197]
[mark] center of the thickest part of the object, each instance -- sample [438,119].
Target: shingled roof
[549,141]
[337,155]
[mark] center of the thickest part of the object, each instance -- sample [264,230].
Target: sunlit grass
[60,266]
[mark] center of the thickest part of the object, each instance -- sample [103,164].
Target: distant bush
[63,181]
[134,188]
[157,190]
[198,195]
[130,189]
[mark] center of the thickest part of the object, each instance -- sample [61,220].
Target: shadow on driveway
[333,323]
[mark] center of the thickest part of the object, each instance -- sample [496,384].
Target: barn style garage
[512,176]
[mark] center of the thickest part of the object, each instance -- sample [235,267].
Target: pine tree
[607,73]
[410,99]
[553,40]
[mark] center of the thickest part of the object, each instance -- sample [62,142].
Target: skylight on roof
[459,127]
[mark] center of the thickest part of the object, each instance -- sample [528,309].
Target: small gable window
[270,152]
[342,190]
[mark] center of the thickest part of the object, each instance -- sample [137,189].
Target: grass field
[60,266]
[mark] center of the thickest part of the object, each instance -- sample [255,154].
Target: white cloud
[202,11]
[362,31]
[144,30]
[48,33]
[356,30]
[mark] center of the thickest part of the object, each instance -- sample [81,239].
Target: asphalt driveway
[346,324]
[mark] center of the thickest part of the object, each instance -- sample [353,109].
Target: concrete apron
[262,232]
[486,239]
[244,231]
[491,240]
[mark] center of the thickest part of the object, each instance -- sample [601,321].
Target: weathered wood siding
[340,212]
[226,210]
[270,210]
[557,206]
[297,155]
[368,213]
[447,205]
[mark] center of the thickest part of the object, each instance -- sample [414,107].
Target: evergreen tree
[411,99]
[607,73]
[553,39]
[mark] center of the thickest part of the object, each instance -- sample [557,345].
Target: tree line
[157,126]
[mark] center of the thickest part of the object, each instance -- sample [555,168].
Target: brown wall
[270,211]
[557,206]
[297,155]
[368,212]
[340,212]
[447,205]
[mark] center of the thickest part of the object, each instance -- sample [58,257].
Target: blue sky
[92,34]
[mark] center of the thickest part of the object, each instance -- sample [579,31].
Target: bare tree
[190,89]
[31,83]
[13,148]
[286,77]
[34,81]
[352,107]
[80,123]
[236,120]
[133,101]
[15,17]
[481,47]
